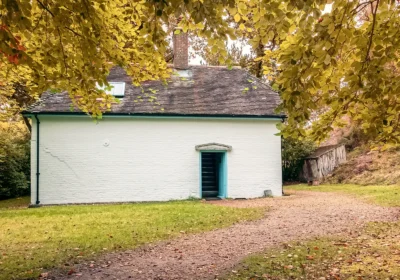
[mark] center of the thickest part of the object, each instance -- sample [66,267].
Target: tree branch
[372,29]
[362,6]
[73,31]
[341,25]
[62,48]
[27,123]
[44,7]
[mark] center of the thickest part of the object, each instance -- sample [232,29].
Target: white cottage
[214,138]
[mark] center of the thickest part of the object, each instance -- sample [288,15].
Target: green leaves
[327,59]
[293,154]
[342,62]
[336,63]
[14,160]
[66,50]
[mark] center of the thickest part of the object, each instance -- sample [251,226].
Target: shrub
[14,160]
[293,154]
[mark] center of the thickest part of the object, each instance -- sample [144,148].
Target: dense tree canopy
[343,62]
[325,64]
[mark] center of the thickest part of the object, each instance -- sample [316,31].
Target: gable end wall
[124,159]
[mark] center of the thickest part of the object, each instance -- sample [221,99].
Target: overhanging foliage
[326,65]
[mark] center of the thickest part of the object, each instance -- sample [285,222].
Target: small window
[117,89]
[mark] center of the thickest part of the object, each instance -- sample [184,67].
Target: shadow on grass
[19,202]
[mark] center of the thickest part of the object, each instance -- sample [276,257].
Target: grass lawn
[382,195]
[38,239]
[15,202]
[373,253]
[370,254]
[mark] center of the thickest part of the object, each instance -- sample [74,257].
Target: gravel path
[205,255]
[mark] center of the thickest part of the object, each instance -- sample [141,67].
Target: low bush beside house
[14,160]
[294,152]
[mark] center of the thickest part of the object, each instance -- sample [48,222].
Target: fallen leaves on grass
[373,253]
[33,241]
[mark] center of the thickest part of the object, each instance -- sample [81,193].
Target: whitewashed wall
[143,159]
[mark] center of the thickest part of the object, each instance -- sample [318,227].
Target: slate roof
[198,91]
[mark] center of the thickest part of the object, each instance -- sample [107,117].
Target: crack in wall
[47,151]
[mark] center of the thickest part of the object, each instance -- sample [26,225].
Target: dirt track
[206,255]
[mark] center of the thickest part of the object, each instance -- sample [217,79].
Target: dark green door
[210,174]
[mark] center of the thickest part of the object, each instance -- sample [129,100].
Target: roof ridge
[211,90]
[261,81]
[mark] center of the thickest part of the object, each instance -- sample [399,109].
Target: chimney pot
[181,50]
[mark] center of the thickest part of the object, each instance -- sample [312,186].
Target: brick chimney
[181,52]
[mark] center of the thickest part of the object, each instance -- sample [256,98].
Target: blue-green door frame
[223,174]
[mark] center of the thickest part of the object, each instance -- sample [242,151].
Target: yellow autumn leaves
[325,65]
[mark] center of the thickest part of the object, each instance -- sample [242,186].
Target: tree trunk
[258,65]
[27,123]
